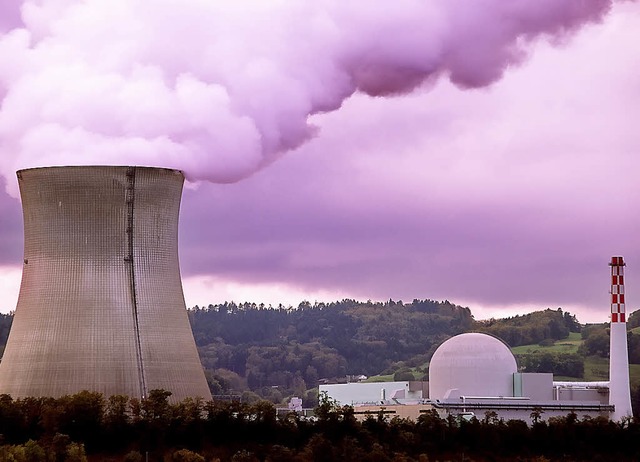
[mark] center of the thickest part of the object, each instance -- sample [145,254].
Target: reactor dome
[471,364]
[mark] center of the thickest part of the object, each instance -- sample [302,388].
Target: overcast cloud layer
[498,169]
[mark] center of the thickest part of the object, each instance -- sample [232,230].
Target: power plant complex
[474,374]
[101,306]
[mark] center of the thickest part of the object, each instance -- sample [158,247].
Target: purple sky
[484,152]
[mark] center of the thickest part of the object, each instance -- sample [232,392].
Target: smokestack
[101,306]
[619,392]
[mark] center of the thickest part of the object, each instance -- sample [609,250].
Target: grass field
[380,378]
[595,367]
[566,346]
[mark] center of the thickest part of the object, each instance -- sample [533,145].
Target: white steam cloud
[220,89]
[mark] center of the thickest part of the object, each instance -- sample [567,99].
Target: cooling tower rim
[96,167]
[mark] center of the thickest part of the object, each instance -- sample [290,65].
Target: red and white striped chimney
[619,392]
[617,289]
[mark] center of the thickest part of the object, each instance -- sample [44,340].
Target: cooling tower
[101,306]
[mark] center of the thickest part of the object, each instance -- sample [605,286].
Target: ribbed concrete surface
[101,305]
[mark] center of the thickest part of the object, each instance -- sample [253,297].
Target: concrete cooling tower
[101,306]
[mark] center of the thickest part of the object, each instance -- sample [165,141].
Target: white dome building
[471,364]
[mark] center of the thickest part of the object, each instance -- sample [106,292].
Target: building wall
[523,410]
[371,393]
[600,395]
[408,411]
[537,386]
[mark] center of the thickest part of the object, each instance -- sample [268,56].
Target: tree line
[88,426]
[265,352]
[253,351]
[271,353]
[597,337]
[536,327]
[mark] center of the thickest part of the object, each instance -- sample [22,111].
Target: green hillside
[595,367]
[568,345]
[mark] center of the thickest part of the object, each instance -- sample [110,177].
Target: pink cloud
[515,195]
[222,89]
[511,195]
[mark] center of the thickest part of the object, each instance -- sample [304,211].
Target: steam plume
[220,89]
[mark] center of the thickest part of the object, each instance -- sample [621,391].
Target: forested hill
[254,350]
[536,327]
[348,336]
[272,350]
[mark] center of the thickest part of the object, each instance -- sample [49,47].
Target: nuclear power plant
[101,306]
[474,374]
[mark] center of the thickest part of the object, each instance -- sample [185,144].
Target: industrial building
[474,374]
[101,306]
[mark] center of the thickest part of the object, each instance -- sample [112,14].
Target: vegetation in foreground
[86,427]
